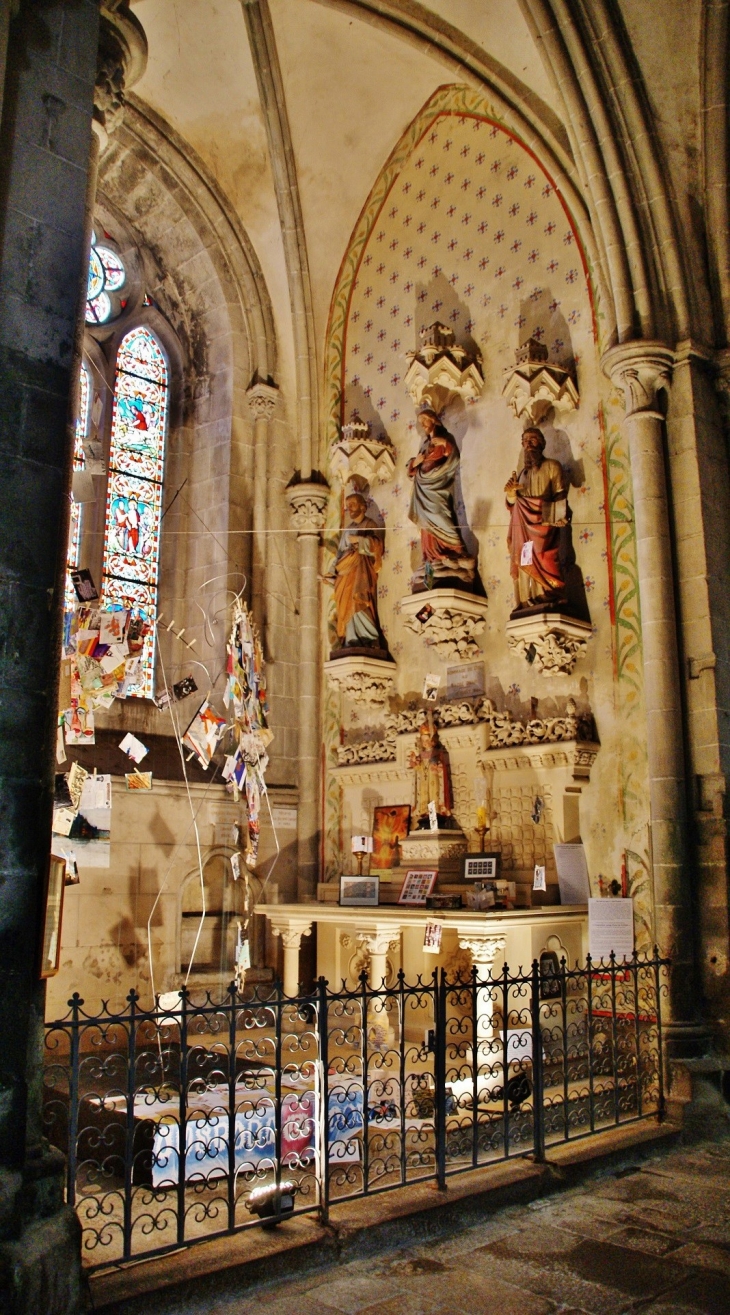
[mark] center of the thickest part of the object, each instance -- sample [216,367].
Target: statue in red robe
[537,500]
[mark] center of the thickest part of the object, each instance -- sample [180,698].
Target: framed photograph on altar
[479,867]
[359,892]
[417,886]
[391,824]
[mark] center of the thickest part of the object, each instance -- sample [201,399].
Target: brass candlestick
[481,832]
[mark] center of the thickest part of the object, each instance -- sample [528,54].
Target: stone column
[377,943]
[484,948]
[262,400]
[291,931]
[308,502]
[640,369]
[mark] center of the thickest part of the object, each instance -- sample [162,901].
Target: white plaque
[539,878]
[610,928]
[570,861]
[284,818]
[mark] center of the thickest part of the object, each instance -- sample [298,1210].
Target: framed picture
[51,945]
[391,824]
[417,887]
[359,892]
[480,867]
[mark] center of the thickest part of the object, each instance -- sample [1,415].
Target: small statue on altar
[430,764]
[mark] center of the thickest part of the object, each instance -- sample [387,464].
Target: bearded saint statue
[537,500]
[430,764]
[355,572]
[433,471]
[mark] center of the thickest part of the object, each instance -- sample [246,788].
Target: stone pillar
[44,153]
[640,369]
[484,948]
[377,943]
[291,931]
[308,502]
[262,400]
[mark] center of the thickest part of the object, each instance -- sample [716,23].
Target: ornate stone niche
[448,619]
[361,678]
[533,388]
[550,641]
[359,452]
[441,363]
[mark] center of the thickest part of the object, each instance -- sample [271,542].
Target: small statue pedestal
[435,849]
[361,676]
[448,619]
[551,641]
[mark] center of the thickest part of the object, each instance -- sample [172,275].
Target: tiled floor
[655,1240]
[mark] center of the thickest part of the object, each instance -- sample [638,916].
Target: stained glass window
[74,531]
[134,489]
[107,276]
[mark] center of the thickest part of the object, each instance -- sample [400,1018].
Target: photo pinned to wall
[82,820]
[138,780]
[432,937]
[417,886]
[359,892]
[391,824]
[431,682]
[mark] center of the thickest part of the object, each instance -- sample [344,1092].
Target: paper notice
[526,554]
[96,793]
[63,820]
[570,861]
[133,748]
[610,928]
[433,820]
[236,866]
[539,882]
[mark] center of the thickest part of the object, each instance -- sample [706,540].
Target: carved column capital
[308,506]
[262,400]
[640,369]
[483,946]
[121,61]
[378,942]
[290,929]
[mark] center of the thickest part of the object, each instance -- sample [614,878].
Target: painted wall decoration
[466,227]
[134,489]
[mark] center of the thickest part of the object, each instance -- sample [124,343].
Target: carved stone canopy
[441,362]
[361,678]
[448,619]
[551,642]
[359,452]
[533,388]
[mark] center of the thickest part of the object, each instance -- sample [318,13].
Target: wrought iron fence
[183,1124]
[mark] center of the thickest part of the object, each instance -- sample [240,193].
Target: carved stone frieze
[363,679]
[449,620]
[504,730]
[359,452]
[551,642]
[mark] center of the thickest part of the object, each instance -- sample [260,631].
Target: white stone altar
[388,938]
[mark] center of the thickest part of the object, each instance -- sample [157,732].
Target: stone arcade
[364,367]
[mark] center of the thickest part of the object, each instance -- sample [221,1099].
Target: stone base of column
[40,1242]
[687,1040]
